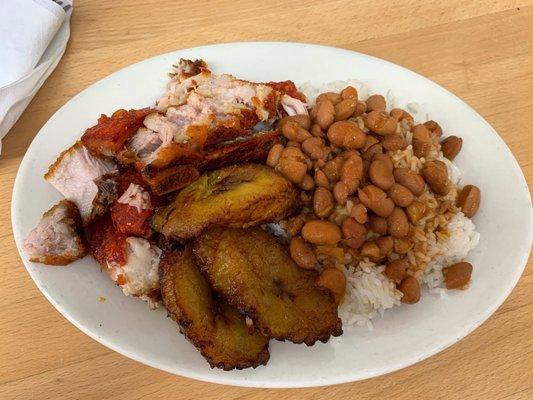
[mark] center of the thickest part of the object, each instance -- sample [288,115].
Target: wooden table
[481,51]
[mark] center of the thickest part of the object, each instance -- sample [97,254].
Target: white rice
[368,292]
[462,238]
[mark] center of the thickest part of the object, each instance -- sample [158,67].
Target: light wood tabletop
[480,50]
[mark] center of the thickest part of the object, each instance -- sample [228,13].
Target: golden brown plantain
[215,328]
[238,196]
[256,275]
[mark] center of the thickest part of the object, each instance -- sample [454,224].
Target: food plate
[88,299]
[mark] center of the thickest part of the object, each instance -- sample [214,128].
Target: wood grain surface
[480,50]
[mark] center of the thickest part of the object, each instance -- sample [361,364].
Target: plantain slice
[238,196]
[256,275]
[210,324]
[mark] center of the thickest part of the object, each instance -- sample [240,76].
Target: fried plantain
[256,275]
[210,324]
[238,196]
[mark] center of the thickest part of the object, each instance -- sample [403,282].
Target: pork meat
[85,179]
[56,240]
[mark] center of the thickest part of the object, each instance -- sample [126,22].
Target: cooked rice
[368,294]
[442,237]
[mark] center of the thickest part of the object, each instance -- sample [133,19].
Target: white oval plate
[404,336]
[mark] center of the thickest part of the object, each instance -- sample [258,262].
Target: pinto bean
[396,270]
[323,233]
[301,119]
[307,182]
[340,192]
[457,275]
[378,224]
[345,109]
[376,102]
[399,114]
[352,172]
[322,202]
[385,244]
[398,224]
[371,250]
[411,290]
[369,142]
[421,141]
[451,146]
[292,164]
[314,148]
[401,196]
[360,108]
[415,211]
[468,200]
[381,123]
[403,245]
[316,130]
[372,152]
[410,179]
[354,231]
[394,142]
[317,164]
[386,159]
[325,114]
[380,173]
[321,179]
[332,169]
[349,92]
[433,127]
[293,131]
[302,254]
[346,134]
[350,153]
[292,143]
[334,280]
[335,98]
[274,155]
[359,213]
[436,175]
[376,200]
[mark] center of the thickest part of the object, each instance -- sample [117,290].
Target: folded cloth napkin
[33,38]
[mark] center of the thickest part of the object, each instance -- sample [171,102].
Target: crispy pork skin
[110,134]
[288,88]
[56,240]
[250,149]
[131,262]
[170,179]
[131,211]
[84,179]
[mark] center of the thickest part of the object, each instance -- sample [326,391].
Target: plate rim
[229,379]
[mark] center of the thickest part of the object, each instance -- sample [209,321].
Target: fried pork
[56,240]
[85,179]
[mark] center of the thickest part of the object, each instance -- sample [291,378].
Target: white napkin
[33,38]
